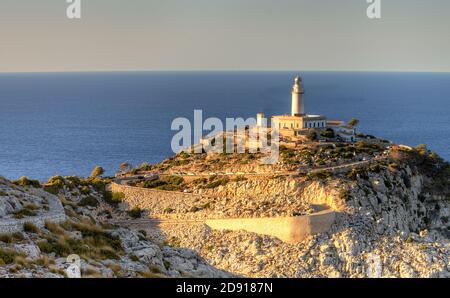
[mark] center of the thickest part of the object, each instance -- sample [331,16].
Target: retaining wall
[288,229]
[153,200]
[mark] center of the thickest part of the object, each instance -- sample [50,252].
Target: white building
[298,122]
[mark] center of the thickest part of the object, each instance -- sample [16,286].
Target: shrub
[320,175]
[98,184]
[175,180]
[194,209]
[24,181]
[24,213]
[354,122]
[85,190]
[146,167]
[54,185]
[54,190]
[357,172]
[169,210]
[88,201]
[136,212]
[199,181]
[96,243]
[54,228]
[30,227]
[8,256]
[171,183]
[217,183]
[113,198]
[56,181]
[11,238]
[312,135]
[328,133]
[97,171]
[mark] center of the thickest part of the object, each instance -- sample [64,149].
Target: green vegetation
[97,171]
[200,181]
[125,167]
[54,228]
[88,201]
[146,167]
[136,212]
[430,164]
[54,184]
[312,134]
[8,256]
[30,227]
[27,210]
[11,238]
[322,175]
[328,133]
[217,182]
[359,172]
[171,183]
[24,181]
[96,243]
[169,210]
[113,198]
[353,122]
[327,155]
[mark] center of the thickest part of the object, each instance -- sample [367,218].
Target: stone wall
[288,229]
[155,201]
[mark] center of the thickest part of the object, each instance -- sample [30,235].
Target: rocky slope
[40,247]
[393,221]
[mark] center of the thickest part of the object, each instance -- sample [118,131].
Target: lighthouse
[298,103]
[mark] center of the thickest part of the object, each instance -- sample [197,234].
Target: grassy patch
[171,183]
[11,238]
[113,198]
[30,227]
[96,243]
[217,183]
[88,201]
[24,181]
[321,175]
[8,256]
[136,212]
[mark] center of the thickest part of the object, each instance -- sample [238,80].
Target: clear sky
[413,35]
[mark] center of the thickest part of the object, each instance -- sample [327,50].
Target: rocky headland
[392,206]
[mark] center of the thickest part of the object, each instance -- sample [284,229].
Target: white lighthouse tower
[298,93]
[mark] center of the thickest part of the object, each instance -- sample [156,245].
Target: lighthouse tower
[298,103]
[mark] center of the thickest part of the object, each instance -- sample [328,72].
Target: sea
[68,123]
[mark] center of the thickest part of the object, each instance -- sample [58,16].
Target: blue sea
[67,123]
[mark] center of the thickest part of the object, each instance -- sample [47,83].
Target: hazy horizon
[218,35]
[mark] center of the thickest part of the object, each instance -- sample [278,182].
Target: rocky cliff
[39,230]
[392,221]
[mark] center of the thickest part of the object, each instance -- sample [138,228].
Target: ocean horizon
[66,123]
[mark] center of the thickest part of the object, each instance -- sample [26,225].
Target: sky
[317,35]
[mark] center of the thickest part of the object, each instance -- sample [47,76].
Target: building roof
[287,117]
